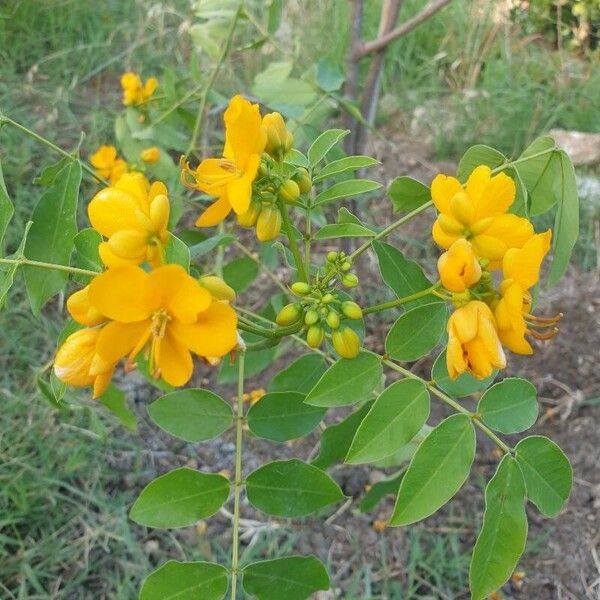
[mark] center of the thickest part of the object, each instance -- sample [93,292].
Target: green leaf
[329,76]
[6,208]
[7,277]
[116,401]
[180,498]
[395,418]
[51,236]
[547,472]
[296,158]
[403,276]
[275,86]
[463,385]
[417,331]
[50,394]
[324,143]
[343,165]
[292,578]
[49,172]
[336,439]
[347,382]
[209,244]
[509,406]
[291,488]
[437,471]
[503,534]
[386,487]
[340,230]
[407,194]
[300,376]
[177,252]
[240,273]
[566,224]
[176,580]
[478,155]
[283,416]
[346,189]
[86,245]
[539,174]
[192,415]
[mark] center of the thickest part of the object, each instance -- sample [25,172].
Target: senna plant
[146,295]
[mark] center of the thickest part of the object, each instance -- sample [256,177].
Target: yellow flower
[77,362]
[217,287]
[150,155]
[458,267]
[268,224]
[230,178]
[473,344]
[134,91]
[254,396]
[477,212]
[82,311]
[107,164]
[165,311]
[279,138]
[521,269]
[133,215]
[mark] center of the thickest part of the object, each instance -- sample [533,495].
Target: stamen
[538,335]
[545,320]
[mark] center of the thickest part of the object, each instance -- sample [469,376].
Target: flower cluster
[134,90]
[481,237]
[250,178]
[140,305]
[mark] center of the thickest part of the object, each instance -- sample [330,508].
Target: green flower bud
[289,191]
[300,288]
[332,256]
[311,316]
[268,224]
[289,315]
[303,179]
[314,336]
[346,265]
[352,310]
[327,298]
[333,319]
[249,218]
[350,280]
[346,342]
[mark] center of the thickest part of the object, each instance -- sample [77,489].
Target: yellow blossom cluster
[134,90]
[140,305]
[481,237]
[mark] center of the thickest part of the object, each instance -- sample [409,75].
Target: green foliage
[6,208]
[180,498]
[299,376]
[116,402]
[324,143]
[463,385]
[408,194]
[240,273]
[193,415]
[344,165]
[292,577]
[346,189]
[291,488]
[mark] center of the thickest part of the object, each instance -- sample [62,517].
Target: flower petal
[524,265]
[442,238]
[215,213]
[244,134]
[189,300]
[443,189]
[497,196]
[175,361]
[117,340]
[477,182]
[111,210]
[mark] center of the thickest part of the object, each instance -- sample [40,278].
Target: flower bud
[249,218]
[300,288]
[352,310]
[82,311]
[346,342]
[263,170]
[327,298]
[314,336]
[150,155]
[349,280]
[346,265]
[332,256]
[288,315]
[333,319]
[268,224]
[311,317]
[218,289]
[289,191]
[279,138]
[303,180]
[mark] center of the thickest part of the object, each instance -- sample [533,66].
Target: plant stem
[399,301]
[44,265]
[276,332]
[308,234]
[289,232]
[237,484]
[213,76]
[523,159]
[43,140]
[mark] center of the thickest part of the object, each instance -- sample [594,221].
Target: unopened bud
[314,336]
[333,319]
[249,218]
[311,317]
[288,315]
[346,265]
[332,256]
[300,288]
[352,310]
[150,155]
[279,138]
[350,280]
[346,342]
[327,298]
[289,191]
[268,224]
[218,289]
[303,180]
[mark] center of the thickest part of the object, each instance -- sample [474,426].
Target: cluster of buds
[320,312]
[338,264]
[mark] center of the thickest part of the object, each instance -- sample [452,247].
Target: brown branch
[403,29]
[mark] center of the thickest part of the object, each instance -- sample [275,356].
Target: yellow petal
[158,188]
[515,341]
[244,133]
[214,334]
[111,210]
[137,185]
[189,300]
[101,382]
[489,247]
[129,245]
[121,293]
[175,362]
[443,189]
[512,230]
[159,212]
[462,208]
[477,182]
[110,259]
[117,340]
[239,191]
[442,238]
[524,265]
[213,173]
[82,311]
[479,364]
[215,213]
[463,322]
[497,196]
[455,360]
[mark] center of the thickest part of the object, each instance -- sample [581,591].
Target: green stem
[276,332]
[523,159]
[237,483]
[43,140]
[289,232]
[213,76]
[399,301]
[308,235]
[44,265]
[450,402]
